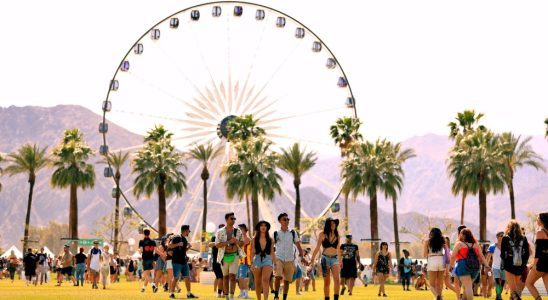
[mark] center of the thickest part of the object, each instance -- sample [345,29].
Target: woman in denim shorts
[262,252]
[329,241]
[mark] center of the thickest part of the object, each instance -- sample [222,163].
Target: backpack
[517,252]
[471,261]
[293,233]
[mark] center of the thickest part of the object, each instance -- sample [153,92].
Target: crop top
[326,244]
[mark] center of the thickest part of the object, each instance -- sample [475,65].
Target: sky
[412,65]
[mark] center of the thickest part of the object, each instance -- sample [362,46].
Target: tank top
[541,253]
[463,252]
[326,244]
[263,252]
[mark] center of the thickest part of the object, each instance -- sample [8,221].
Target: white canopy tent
[18,253]
[136,255]
[48,252]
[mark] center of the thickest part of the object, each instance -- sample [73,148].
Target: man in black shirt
[42,260]
[29,264]
[80,259]
[350,260]
[218,283]
[147,247]
[179,245]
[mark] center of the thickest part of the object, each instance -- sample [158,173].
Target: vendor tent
[15,250]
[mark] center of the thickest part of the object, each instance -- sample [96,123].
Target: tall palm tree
[372,168]
[252,172]
[243,127]
[204,154]
[477,163]
[516,155]
[158,167]
[27,159]
[345,132]
[72,170]
[466,123]
[116,161]
[296,162]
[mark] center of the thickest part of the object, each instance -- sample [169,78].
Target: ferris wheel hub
[222,128]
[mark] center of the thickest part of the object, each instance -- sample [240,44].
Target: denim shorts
[160,265]
[181,269]
[499,274]
[298,274]
[243,271]
[328,262]
[260,262]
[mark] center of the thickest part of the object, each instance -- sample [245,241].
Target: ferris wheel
[200,67]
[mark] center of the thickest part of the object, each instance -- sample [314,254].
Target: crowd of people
[269,263]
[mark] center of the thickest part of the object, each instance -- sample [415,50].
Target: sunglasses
[285,219]
[233,219]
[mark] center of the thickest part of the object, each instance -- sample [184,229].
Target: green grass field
[130,290]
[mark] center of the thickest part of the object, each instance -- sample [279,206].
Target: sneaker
[172,296]
[190,295]
[154,288]
[142,290]
[349,293]
[342,291]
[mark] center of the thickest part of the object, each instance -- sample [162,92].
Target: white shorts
[435,263]
[169,264]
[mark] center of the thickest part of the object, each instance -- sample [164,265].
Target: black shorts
[112,270]
[349,271]
[66,271]
[217,270]
[148,265]
[30,272]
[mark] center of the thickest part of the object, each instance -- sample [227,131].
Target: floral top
[221,237]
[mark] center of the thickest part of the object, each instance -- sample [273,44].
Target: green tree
[345,132]
[158,167]
[296,162]
[477,163]
[517,154]
[116,161]
[372,168]
[204,154]
[72,170]
[252,172]
[243,127]
[466,122]
[28,159]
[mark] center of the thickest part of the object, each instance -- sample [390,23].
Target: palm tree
[72,170]
[477,163]
[116,160]
[252,172]
[243,127]
[466,122]
[158,168]
[345,132]
[296,162]
[204,154]
[372,168]
[27,159]
[516,155]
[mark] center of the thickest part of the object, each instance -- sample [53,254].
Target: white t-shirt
[495,251]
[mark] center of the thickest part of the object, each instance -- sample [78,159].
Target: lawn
[130,290]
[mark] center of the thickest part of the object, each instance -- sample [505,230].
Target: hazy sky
[412,64]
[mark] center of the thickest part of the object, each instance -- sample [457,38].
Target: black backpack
[293,233]
[472,261]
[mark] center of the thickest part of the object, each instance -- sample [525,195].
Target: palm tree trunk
[462,208]
[117,217]
[162,227]
[73,212]
[27,218]
[255,206]
[512,199]
[374,224]
[204,216]
[248,213]
[346,220]
[396,231]
[483,213]
[297,207]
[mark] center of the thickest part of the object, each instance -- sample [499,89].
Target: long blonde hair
[513,230]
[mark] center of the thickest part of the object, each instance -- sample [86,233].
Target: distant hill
[426,197]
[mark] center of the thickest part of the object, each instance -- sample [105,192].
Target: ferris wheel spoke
[156,87]
[301,115]
[295,139]
[322,180]
[156,117]
[293,201]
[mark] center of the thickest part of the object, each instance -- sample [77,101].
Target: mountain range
[426,198]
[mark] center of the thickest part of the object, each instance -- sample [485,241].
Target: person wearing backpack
[228,240]
[468,256]
[514,255]
[284,266]
[539,268]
